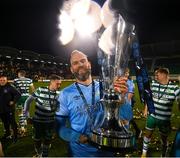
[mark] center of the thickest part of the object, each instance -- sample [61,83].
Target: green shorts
[163,125]
[21,101]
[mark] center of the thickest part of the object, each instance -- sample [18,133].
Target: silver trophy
[113,57]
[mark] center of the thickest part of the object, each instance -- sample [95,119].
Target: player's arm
[16,95]
[29,101]
[32,87]
[64,132]
[131,88]
[177,94]
[130,95]
[27,105]
[145,112]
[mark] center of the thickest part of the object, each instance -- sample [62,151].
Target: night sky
[32,24]
[29,24]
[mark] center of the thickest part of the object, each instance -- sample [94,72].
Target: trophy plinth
[113,139]
[111,135]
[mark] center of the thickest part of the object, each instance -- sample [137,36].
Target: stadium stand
[39,66]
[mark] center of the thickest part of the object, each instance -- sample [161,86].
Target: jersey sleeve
[37,92]
[15,83]
[63,106]
[177,92]
[31,82]
[131,87]
[68,134]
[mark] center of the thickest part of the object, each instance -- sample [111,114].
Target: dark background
[32,24]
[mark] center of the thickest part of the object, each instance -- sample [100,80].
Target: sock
[45,150]
[38,147]
[22,120]
[145,145]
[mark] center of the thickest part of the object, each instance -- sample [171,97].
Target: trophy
[113,58]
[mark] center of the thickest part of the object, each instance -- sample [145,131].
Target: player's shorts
[125,112]
[43,130]
[163,125]
[20,102]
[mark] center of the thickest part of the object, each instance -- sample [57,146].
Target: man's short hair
[22,72]
[127,70]
[54,77]
[163,70]
[77,51]
[156,68]
[3,74]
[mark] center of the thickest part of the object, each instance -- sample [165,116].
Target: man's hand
[83,139]
[120,85]
[29,120]
[145,112]
[11,103]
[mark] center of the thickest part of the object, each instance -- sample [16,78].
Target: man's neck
[86,82]
[51,88]
[164,81]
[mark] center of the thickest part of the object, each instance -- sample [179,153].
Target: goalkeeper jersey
[72,106]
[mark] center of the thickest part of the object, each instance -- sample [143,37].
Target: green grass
[24,146]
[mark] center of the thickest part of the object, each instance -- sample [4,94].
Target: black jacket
[8,93]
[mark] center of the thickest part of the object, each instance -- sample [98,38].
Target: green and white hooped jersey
[46,104]
[163,97]
[22,84]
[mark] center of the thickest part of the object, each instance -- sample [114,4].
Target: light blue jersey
[72,105]
[81,121]
[125,111]
[130,85]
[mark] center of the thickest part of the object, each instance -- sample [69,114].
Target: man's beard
[82,76]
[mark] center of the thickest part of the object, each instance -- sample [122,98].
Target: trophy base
[113,140]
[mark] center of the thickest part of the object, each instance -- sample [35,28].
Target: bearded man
[79,104]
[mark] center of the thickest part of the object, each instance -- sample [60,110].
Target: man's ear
[89,64]
[71,69]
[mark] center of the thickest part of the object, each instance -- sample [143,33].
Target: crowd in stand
[35,70]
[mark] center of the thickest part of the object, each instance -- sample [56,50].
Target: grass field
[24,146]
